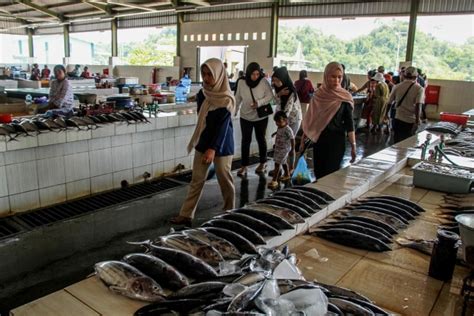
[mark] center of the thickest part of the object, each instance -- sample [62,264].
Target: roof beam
[197,2]
[131,5]
[99,6]
[42,9]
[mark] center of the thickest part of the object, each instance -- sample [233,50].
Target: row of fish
[462,145]
[369,223]
[39,124]
[224,268]
[445,128]
[266,283]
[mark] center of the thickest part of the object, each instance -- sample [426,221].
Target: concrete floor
[75,245]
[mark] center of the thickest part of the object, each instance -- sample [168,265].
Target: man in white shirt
[408,96]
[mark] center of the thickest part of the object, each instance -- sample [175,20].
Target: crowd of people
[38,74]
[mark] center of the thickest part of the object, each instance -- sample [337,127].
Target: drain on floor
[48,215]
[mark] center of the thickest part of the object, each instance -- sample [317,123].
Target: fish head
[146,288]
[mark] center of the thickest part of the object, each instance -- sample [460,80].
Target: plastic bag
[302,175]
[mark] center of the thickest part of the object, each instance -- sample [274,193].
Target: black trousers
[247,128]
[328,153]
[402,130]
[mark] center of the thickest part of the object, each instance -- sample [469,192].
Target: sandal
[181,220]
[285,178]
[261,168]
[273,185]
[242,172]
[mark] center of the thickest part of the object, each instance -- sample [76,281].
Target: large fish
[289,203]
[251,278]
[407,208]
[158,270]
[186,263]
[350,308]
[278,217]
[279,203]
[322,194]
[242,243]
[238,228]
[388,219]
[204,290]
[225,248]
[183,306]
[126,280]
[298,197]
[263,228]
[352,239]
[425,246]
[245,298]
[336,290]
[401,211]
[357,228]
[317,198]
[400,200]
[363,224]
[192,246]
[378,210]
[359,216]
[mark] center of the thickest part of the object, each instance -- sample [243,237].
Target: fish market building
[73,196]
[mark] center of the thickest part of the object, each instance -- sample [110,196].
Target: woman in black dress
[328,120]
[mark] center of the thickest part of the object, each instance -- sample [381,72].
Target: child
[284,145]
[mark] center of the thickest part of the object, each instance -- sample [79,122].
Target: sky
[455,29]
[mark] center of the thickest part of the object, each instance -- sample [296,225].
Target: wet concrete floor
[60,273]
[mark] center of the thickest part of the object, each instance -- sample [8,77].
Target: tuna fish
[158,270]
[399,200]
[352,239]
[188,264]
[192,246]
[225,248]
[242,243]
[388,219]
[379,210]
[245,298]
[318,199]
[204,290]
[322,194]
[358,228]
[263,228]
[401,211]
[238,228]
[126,280]
[299,197]
[277,217]
[350,308]
[297,206]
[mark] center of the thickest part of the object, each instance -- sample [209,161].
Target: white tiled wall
[55,167]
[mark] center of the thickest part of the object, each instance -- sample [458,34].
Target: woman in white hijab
[212,140]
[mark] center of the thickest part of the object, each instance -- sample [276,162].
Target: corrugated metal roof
[446,6]
[147,20]
[328,9]
[49,30]
[90,26]
[230,12]
[12,26]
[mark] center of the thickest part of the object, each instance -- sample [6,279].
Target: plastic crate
[449,183]
[460,119]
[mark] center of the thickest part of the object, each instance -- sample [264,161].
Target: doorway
[234,56]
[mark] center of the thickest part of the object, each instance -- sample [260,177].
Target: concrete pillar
[412,29]
[114,38]
[31,51]
[67,43]
[274,30]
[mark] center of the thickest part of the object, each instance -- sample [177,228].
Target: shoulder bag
[264,110]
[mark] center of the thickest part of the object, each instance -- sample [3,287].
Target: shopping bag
[302,175]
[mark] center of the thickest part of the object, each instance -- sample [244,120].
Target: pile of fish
[39,123]
[225,268]
[462,145]
[445,128]
[265,283]
[369,223]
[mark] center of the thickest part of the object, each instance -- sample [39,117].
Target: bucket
[466,228]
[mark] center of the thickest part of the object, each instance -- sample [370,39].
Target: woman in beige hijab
[212,140]
[328,120]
